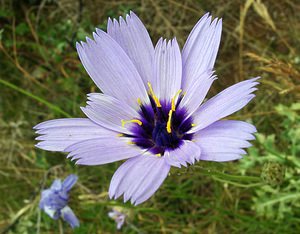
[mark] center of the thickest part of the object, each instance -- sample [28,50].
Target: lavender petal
[111,69]
[225,103]
[133,37]
[224,140]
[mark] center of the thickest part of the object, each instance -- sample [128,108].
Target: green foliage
[279,198]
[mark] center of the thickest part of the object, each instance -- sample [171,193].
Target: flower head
[118,217]
[151,111]
[54,200]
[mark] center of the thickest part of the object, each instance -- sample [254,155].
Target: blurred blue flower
[54,200]
[118,217]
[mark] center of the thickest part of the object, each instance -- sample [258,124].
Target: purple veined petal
[195,94]
[151,171]
[133,37]
[111,69]
[69,182]
[68,215]
[56,185]
[220,157]
[132,172]
[58,134]
[223,104]
[152,182]
[109,112]
[198,30]
[147,165]
[229,128]
[102,150]
[114,189]
[224,140]
[188,152]
[168,69]
[200,50]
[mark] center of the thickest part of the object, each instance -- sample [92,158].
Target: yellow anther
[169,122]
[156,100]
[173,99]
[130,143]
[120,135]
[139,101]
[158,155]
[131,121]
[193,125]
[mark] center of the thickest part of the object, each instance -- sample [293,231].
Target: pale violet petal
[195,94]
[200,50]
[118,177]
[188,152]
[126,186]
[56,185]
[102,150]
[58,134]
[152,182]
[149,166]
[224,140]
[109,112]
[133,37]
[68,215]
[69,182]
[167,68]
[111,69]
[139,178]
[50,211]
[229,128]
[223,104]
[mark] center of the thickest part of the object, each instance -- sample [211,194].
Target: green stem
[28,94]
[229,178]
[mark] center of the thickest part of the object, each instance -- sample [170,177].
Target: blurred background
[41,78]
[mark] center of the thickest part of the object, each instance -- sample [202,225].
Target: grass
[41,78]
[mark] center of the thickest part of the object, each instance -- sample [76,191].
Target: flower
[151,111]
[118,216]
[54,200]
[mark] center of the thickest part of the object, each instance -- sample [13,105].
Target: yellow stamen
[139,101]
[173,99]
[120,135]
[130,143]
[156,100]
[169,122]
[131,121]
[193,125]
[158,155]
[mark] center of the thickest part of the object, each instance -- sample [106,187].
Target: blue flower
[152,109]
[54,200]
[118,217]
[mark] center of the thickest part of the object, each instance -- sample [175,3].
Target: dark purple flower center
[153,133]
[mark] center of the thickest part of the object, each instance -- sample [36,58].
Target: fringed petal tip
[188,153]
[225,140]
[225,103]
[138,178]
